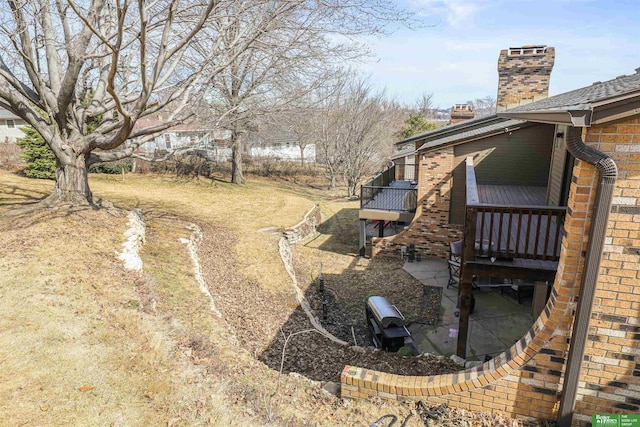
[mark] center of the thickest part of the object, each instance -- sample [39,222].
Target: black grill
[387,326]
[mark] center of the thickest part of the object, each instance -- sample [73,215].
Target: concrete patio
[497,322]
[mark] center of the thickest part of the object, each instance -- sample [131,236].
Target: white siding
[10,133]
[287,152]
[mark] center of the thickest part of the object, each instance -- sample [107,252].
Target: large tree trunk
[353,186]
[72,181]
[237,176]
[332,181]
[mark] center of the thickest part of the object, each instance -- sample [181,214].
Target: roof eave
[401,154]
[620,109]
[470,138]
[576,118]
[446,130]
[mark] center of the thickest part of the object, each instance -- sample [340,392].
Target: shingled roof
[446,130]
[583,106]
[6,114]
[460,132]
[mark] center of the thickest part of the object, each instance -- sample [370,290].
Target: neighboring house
[278,143]
[191,136]
[10,125]
[215,142]
[553,188]
[285,151]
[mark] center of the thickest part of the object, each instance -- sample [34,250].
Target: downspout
[608,173]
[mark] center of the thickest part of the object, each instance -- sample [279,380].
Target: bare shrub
[10,157]
[194,166]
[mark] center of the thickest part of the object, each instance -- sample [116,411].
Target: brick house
[581,356]
[517,148]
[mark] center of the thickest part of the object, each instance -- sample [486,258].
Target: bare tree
[425,106]
[294,125]
[371,123]
[356,129]
[288,61]
[261,80]
[484,106]
[83,73]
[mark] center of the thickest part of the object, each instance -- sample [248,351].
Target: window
[11,124]
[167,141]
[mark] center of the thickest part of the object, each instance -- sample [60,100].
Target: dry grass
[77,346]
[80,344]
[244,209]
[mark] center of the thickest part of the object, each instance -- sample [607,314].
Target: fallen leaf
[85,388]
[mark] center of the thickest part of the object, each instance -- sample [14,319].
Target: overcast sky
[455,55]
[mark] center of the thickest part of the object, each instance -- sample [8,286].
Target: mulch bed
[262,320]
[337,319]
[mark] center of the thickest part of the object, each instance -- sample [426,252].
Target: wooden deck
[512,228]
[512,195]
[393,197]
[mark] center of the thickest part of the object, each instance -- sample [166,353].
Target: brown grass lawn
[83,342]
[79,343]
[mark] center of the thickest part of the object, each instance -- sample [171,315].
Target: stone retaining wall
[304,228]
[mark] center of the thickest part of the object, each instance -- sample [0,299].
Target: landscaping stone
[332,388]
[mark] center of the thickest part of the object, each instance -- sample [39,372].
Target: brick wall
[525,381]
[523,77]
[610,376]
[430,230]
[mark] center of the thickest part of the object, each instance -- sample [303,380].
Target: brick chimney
[462,112]
[523,75]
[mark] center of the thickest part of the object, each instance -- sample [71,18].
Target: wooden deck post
[465,309]
[466,279]
[363,237]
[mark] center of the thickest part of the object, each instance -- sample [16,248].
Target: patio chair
[455,251]
[522,289]
[454,274]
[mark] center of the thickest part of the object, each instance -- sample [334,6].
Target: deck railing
[394,196]
[506,232]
